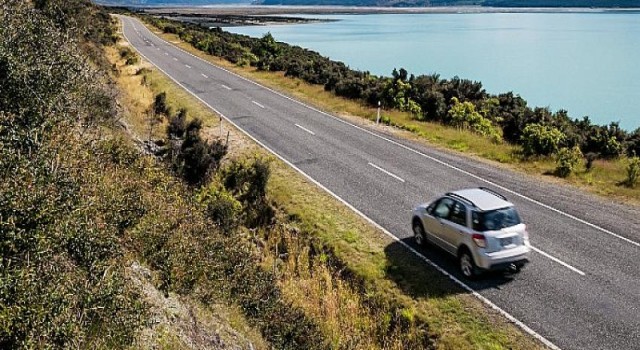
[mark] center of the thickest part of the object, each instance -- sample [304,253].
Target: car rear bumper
[504,259]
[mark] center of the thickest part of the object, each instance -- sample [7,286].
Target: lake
[586,63]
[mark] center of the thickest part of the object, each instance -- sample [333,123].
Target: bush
[160,106]
[221,207]
[196,159]
[177,125]
[464,115]
[247,181]
[567,160]
[538,139]
[633,172]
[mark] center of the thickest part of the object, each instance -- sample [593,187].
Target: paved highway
[582,288]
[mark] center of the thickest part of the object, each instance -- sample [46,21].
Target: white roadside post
[378,117]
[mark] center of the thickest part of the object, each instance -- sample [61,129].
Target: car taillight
[479,240]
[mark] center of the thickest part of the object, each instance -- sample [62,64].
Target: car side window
[459,214]
[443,208]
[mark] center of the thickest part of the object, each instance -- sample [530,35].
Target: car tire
[418,233]
[466,264]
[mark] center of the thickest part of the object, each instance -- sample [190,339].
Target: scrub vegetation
[456,113]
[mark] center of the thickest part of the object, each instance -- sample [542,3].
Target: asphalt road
[582,287]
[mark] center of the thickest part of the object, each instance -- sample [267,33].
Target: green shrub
[538,139]
[195,159]
[633,171]
[567,160]
[464,115]
[247,181]
[221,207]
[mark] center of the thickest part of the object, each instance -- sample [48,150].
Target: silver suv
[478,226]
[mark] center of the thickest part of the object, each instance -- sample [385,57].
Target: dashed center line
[257,104]
[166,54]
[175,59]
[305,129]
[226,87]
[204,75]
[387,172]
[188,66]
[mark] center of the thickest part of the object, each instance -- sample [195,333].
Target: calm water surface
[586,63]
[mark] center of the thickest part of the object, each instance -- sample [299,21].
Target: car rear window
[495,219]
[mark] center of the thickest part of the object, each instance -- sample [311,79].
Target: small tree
[567,160]
[633,171]
[538,139]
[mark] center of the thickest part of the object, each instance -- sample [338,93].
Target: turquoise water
[586,63]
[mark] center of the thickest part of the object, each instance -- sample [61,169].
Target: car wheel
[418,233]
[467,265]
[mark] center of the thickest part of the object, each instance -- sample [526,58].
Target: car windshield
[495,219]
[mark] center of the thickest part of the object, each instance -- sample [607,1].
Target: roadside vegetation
[455,113]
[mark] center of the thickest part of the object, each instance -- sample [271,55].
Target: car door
[456,227]
[439,219]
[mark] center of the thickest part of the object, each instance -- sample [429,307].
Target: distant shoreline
[260,10]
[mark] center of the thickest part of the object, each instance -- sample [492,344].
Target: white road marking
[166,54]
[305,129]
[387,172]
[175,59]
[204,75]
[257,104]
[558,261]
[188,66]
[226,87]
[463,285]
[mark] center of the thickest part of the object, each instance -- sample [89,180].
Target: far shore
[328,10]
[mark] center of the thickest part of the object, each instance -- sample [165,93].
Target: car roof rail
[493,192]
[465,199]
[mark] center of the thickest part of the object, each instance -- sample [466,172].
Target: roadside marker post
[378,117]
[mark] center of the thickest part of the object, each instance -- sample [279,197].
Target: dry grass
[456,320]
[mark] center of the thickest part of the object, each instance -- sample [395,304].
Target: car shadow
[417,276]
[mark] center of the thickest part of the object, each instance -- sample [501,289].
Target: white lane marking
[226,87]
[420,153]
[257,104]
[188,66]
[305,129]
[387,172]
[175,59]
[204,75]
[558,261]
[464,286]
[166,54]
